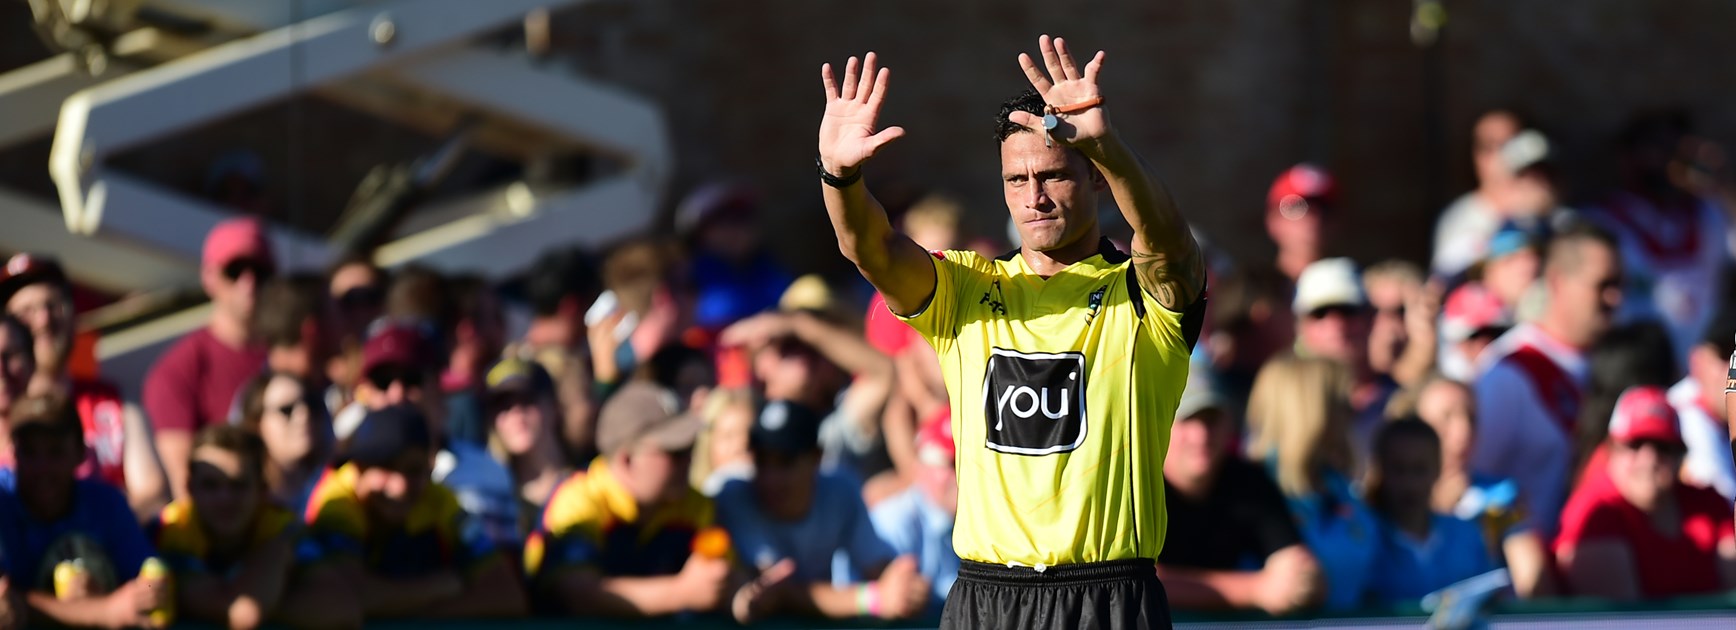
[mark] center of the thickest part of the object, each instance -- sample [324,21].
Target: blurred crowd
[680,425]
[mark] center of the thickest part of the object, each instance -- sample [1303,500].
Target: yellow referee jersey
[1063,391]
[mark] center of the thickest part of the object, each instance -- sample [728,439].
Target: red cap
[236,239]
[1644,413]
[1473,308]
[23,270]
[1306,182]
[934,443]
[396,344]
[885,331]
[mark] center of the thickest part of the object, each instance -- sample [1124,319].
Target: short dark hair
[285,304]
[1720,334]
[420,293]
[245,445]
[559,274]
[1027,101]
[1562,251]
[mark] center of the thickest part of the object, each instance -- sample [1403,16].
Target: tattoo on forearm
[1175,283]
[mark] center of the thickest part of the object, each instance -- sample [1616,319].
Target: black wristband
[835,181]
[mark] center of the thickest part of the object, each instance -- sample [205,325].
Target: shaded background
[1220,95]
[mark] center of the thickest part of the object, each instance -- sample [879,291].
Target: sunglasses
[1341,310]
[383,376]
[1667,449]
[234,269]
[361,298]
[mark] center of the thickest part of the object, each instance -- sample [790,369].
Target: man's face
[392,384]
[388,492]
[654,476]
[47,310]
[784,483]
[1337,332]
[1297,224]
[226,494]
[47,464]
[17,365]
[1050,191]
[1196,445]
[1491,132]
[1709,370]
[791,370]
[234,286]
[357,292]
[1589,293]
[1509,276]
[1387,335]
[1644,470]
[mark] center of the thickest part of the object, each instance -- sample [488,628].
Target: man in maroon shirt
[193,385]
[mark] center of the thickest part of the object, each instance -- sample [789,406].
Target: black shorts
[1114,595]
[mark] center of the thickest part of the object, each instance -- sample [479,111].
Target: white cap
[1329,282]
[1525,150]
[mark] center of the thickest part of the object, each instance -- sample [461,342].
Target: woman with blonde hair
[1299,428]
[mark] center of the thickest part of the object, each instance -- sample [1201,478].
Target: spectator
[119,446]
[17,365]
[1490,502]
[1251,322]
[1510,269]
[559,287]
[1532,384]
[1332,322]
[1673,241]
[193,385]
[358,293]
[1638,532]
[1298,209]
[478,338]
[400,367]
[296,323]
[1699,402]
[1465,227]
[733,276]
[238,559]
[1401,337]
[918,521]
[800,357]
[1631,355]
[1231,540]
[920,391]
[291,421]
[791,518]
[1421,550]
[729,415]
[49,516]
[1298,420]
[1474,317]
[401,541]
[521,410]
[617,540]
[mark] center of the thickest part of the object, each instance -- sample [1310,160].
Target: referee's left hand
[1063,83]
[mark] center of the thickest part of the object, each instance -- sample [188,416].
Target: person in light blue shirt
[789,521]
[918,521]
[1420,551]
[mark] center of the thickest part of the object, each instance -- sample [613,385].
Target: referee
[1064,359]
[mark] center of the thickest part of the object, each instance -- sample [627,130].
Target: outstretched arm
[890,261]
[1165,257]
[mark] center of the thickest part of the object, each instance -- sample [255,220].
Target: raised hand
[1063,86]
[848,136]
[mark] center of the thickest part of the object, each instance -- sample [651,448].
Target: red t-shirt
[1666,566]
[100,411]
[884,330]
[193,385]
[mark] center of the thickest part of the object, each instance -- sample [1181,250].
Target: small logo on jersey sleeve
[1034,403]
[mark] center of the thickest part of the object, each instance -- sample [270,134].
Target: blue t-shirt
[484,488]
[1409,568]
[836,528]
[915,526]
[727,293]
[99,529]
[1342,532]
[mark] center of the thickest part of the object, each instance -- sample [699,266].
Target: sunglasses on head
[234,269]
[383,376]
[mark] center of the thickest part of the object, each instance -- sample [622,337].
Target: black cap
[385,434]
[785,427]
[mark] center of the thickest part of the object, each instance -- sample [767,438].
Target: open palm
[1062,83]
[848,135]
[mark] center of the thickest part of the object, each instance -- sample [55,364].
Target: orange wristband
[1077,107]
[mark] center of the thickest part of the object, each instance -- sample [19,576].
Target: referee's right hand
[848,136]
